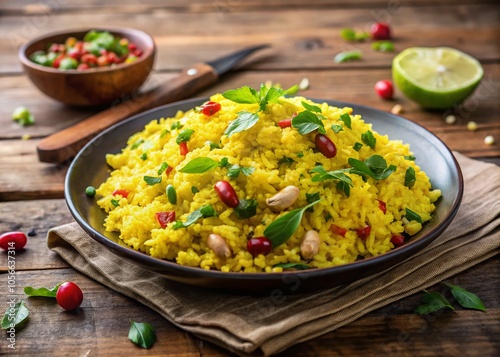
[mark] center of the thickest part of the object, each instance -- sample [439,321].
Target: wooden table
[304,37]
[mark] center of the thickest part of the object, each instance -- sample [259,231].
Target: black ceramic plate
[90,168]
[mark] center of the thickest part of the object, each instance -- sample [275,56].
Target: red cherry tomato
[183,148]
[102,61]
[285,123]
[382,206]
[69,296]
[325,146]
[83,66]
[57,61]
[132,46]
[210,108]
[120,192]
[226,193]
[397,239]
[364,232]
[113,58]
[259,245]
[338,230]
[165,218]
[384,89]
[13,240]
[380,31]
[89,59]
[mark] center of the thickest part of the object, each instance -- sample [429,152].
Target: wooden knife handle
[65,144]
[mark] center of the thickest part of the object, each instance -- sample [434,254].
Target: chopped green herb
[465,298]
[306,122]
[300,154]
[383,46]
[144,156]
[296,266]
[337,128]
[151,181]
[410,157]
[136,144]
[286,160]
[340,175]
[357,146]
[90,191]
[203,212]
[375,166]
[312,197]
[184,136]
[224,162]
[43,292]
[347,56]
[410,177]
[412,216]
[247,171]
[244,121]
[177,125]
[142,334]
[311,108]
[115,202]
[162,168]
[246,208]
[199,165]
[194,190]
[328,216]
[369,139]
[243,95]
[213,145]
[234,171]
[433,302]
[171,194]
[15,316]
[346,119]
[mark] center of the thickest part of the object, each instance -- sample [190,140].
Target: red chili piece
[325,146]
[285,123]
[364,232]
[382,206]
[69,296]
[380,31]
[226,193]
[384,89]
[13,240]
[210,108]
[168,170]
[120,192]
[338,230]
[259,245]
[397,239]
[165,218]
[183,148]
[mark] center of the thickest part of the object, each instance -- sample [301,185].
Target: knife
[65,144]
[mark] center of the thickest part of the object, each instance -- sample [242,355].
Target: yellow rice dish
[253,184]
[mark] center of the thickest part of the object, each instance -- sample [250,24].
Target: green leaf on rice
[244,121]
[243,95]
[346,119]
[369,139]
[344,184]
[203,212]
[151,181]
[375,166]
[306,122]
[279,231]
[410,177]
[413,216]
[199,165]
[311,108]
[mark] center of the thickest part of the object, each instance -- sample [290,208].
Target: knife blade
[65,144]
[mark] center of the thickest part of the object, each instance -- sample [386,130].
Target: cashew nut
[310,244]
[218,245]
[283,199]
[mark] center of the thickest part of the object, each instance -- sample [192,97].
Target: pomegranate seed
[120,192]
[384,89]
[226,193]
[259,245]
[338,230]
[382,206]
[13,240]
[364,232]
[397,240]
[380,31]
[325,146]
[165,218]
[183,148]
[285,123]
[210,108]
[69,296]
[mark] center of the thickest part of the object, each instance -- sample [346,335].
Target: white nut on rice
[283,199]
[218,245]
[310,244]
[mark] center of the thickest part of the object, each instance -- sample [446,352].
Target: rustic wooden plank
[182,41]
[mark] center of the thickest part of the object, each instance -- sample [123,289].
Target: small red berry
[382,206]
[259,245]
[13,240]
[384,89]
[380,31]
[397,239]
[69,296]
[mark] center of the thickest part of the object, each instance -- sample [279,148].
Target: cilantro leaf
[311,108]
[162,168]
[375,166]
[369,139]
[346,119]
[243,95]
[357,146]
[306,122]
[337,128]
[244,121]
[199,165]
[344,184]
[177,125]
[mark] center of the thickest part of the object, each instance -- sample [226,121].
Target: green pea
[171,194]
[90,191]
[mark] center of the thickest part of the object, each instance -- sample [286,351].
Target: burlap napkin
[266,325]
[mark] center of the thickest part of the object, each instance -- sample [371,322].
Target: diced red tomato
[183,148]
[338,230]
[397,239]
[285,123]
[165,218]
[364,232]
[210,108]
[382,206]
[120,192]
[168,170]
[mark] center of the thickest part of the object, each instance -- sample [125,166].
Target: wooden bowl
[94,86]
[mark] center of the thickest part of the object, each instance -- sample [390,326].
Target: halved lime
[436,77]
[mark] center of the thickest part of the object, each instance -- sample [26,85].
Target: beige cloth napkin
[264,326]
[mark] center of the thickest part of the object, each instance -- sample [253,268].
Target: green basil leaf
[15,316]
[184,136]
[177,125]
[306,122]
[246,208]
[203,212]
[151,181]
[346,119]
[244,121]
[412,216]
[433,302]
[243,95]
[162,168]
[337,128]
[345,187]
[296,266]
[347,56]
[311,108]
[142,334]
[171,194]
[44,292]
[410,177]
[136,144]
[279,231]
[369,139]
[465,298]
[357,146]
[199,165]
[375,166]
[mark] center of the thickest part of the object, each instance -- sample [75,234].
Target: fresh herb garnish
[224,162]
[297,266]
[369,139]
[345,182]
[312,197]
[184,136]
[357,146]
[16,317]
[286,160]
[199,165]
[412,216]
[136,144]
[177,125]
[306,122]
[151,181]
[300,154]
[410,177]
[347,56]
[383,46]
[142,334]
[144,156]
[234,171]
[171,194]
[246,208]
[337,128]
[44,292]
[375,166]
[465,298]
[203,212]
[433,302]
[115,202]
[244,121]
[410,157]
[162,168]
[194,190]
[346,119]
[213,145]
[311,107]
[279,231]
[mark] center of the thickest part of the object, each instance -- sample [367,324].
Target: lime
[436,77]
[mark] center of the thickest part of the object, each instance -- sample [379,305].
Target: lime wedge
[436,77]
